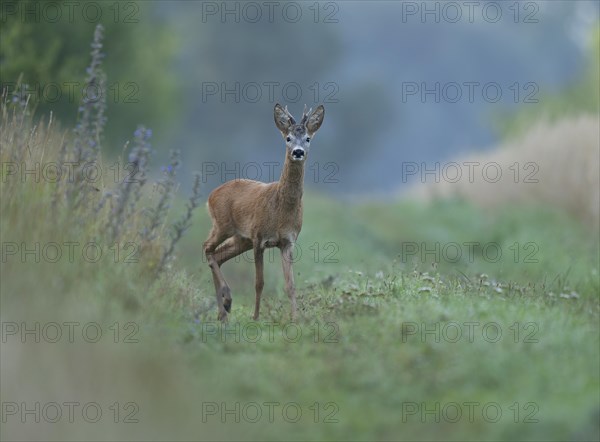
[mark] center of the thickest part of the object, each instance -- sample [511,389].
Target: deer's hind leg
[215,238]
[231,248]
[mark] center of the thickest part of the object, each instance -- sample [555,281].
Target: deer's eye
[289,139]
[307,139]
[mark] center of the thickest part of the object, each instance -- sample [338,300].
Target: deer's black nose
[298,153]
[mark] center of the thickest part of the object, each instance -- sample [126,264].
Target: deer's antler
[305,115]
[292,120]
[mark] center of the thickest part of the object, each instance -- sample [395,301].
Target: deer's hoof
[223,317]
[225,293]
[227,304]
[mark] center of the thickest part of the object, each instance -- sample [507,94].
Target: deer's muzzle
[298,153]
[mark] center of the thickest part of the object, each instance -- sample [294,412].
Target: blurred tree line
[47,45]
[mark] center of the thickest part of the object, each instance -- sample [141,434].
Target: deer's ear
[283,119]
[315,119]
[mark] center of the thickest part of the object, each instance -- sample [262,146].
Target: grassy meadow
[417,321]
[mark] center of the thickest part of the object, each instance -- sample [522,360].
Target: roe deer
[250,214]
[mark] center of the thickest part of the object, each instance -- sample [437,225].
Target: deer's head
[298,135]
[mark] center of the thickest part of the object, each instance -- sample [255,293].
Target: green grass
[362,355]
[546,360]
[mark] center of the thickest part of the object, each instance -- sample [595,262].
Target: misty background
[206,75]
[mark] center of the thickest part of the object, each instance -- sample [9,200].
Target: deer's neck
[291,183]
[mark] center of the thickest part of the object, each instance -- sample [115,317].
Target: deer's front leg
[260,282]
[288,273]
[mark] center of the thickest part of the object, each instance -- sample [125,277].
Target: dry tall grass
[551,164]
